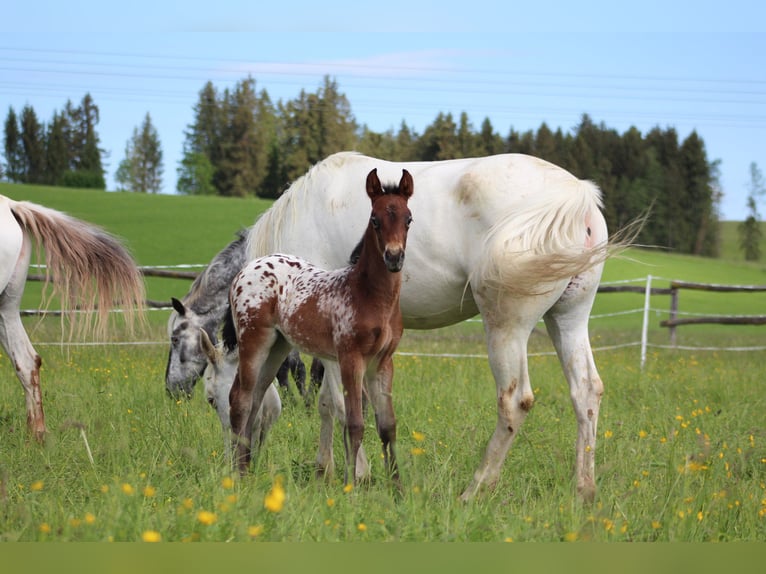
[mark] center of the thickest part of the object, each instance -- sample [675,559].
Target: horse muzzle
[394,259]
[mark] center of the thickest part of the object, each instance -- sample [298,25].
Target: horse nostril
[394,259]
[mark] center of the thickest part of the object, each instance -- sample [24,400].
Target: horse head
[391,217]
[186,364]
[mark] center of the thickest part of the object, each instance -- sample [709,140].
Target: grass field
[681,453]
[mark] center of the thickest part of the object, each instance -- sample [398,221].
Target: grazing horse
[219,377]
[87,266]
[204,307]
[511,237]
[350,315]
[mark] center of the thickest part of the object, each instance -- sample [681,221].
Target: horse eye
[409,221]
[375,222]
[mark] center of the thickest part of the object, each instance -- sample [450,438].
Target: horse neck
[371,274]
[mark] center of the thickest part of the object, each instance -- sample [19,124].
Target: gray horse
[204,307]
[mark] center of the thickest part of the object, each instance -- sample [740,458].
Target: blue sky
[691,65]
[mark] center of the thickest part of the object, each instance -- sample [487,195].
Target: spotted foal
[349,315]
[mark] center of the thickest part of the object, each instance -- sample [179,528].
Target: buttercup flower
[275,499]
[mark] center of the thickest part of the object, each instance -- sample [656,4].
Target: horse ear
[406,185]
[374,188]
[178,306]
[207,345]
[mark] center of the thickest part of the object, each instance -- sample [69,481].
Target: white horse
[511,237]
[88,267]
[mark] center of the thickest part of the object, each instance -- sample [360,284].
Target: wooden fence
[674,321]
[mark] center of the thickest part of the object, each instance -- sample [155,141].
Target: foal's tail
[549,238]
[90,269]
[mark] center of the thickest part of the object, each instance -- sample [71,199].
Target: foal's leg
[352,375]
[15,341]
[331,407]
[261,351]
[379,386]
[567,323]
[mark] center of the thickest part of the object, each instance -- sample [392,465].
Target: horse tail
[229,332]
[90,269]
[551,237]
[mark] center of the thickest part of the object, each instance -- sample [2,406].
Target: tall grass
[681,457]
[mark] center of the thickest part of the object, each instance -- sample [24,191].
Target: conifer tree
[141,169]
[33,144]
[13,149]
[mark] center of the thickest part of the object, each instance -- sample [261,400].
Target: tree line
[63,152]
[241,143]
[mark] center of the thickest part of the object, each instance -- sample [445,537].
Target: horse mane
[217,276]
[263,237]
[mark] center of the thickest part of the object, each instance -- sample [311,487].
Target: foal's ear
[406,185]
[374,188]
[207,345]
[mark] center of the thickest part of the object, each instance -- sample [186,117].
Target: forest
[242,143]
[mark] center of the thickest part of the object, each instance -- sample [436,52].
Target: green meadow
[681,455]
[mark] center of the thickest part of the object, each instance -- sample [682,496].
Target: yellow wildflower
[571,536]
[348,488]
[187,503]
[36,486]
[89,518]
[104,489]
[254,531]
[330,502]
[149,491]
[656,524]
[361,527]
[127,488]
[417,451]
[151,536]
[418,436]
[45,528]
[275,499]
[206,517]
[608,434]
[642,434]
[227,483]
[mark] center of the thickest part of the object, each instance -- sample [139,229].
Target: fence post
[645,326]
[673,312]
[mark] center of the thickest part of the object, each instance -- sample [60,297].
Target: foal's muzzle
[394,259]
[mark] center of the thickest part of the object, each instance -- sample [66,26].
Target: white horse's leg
[508,322]
[567,323]
[331,406]
[15,341]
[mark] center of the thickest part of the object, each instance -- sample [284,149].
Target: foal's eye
[409,221]
[375,223]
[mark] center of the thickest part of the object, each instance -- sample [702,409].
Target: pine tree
[202,149]
[86,169]
[750,230]
[141,169]
[33,144]
[57,152]
[13,149]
